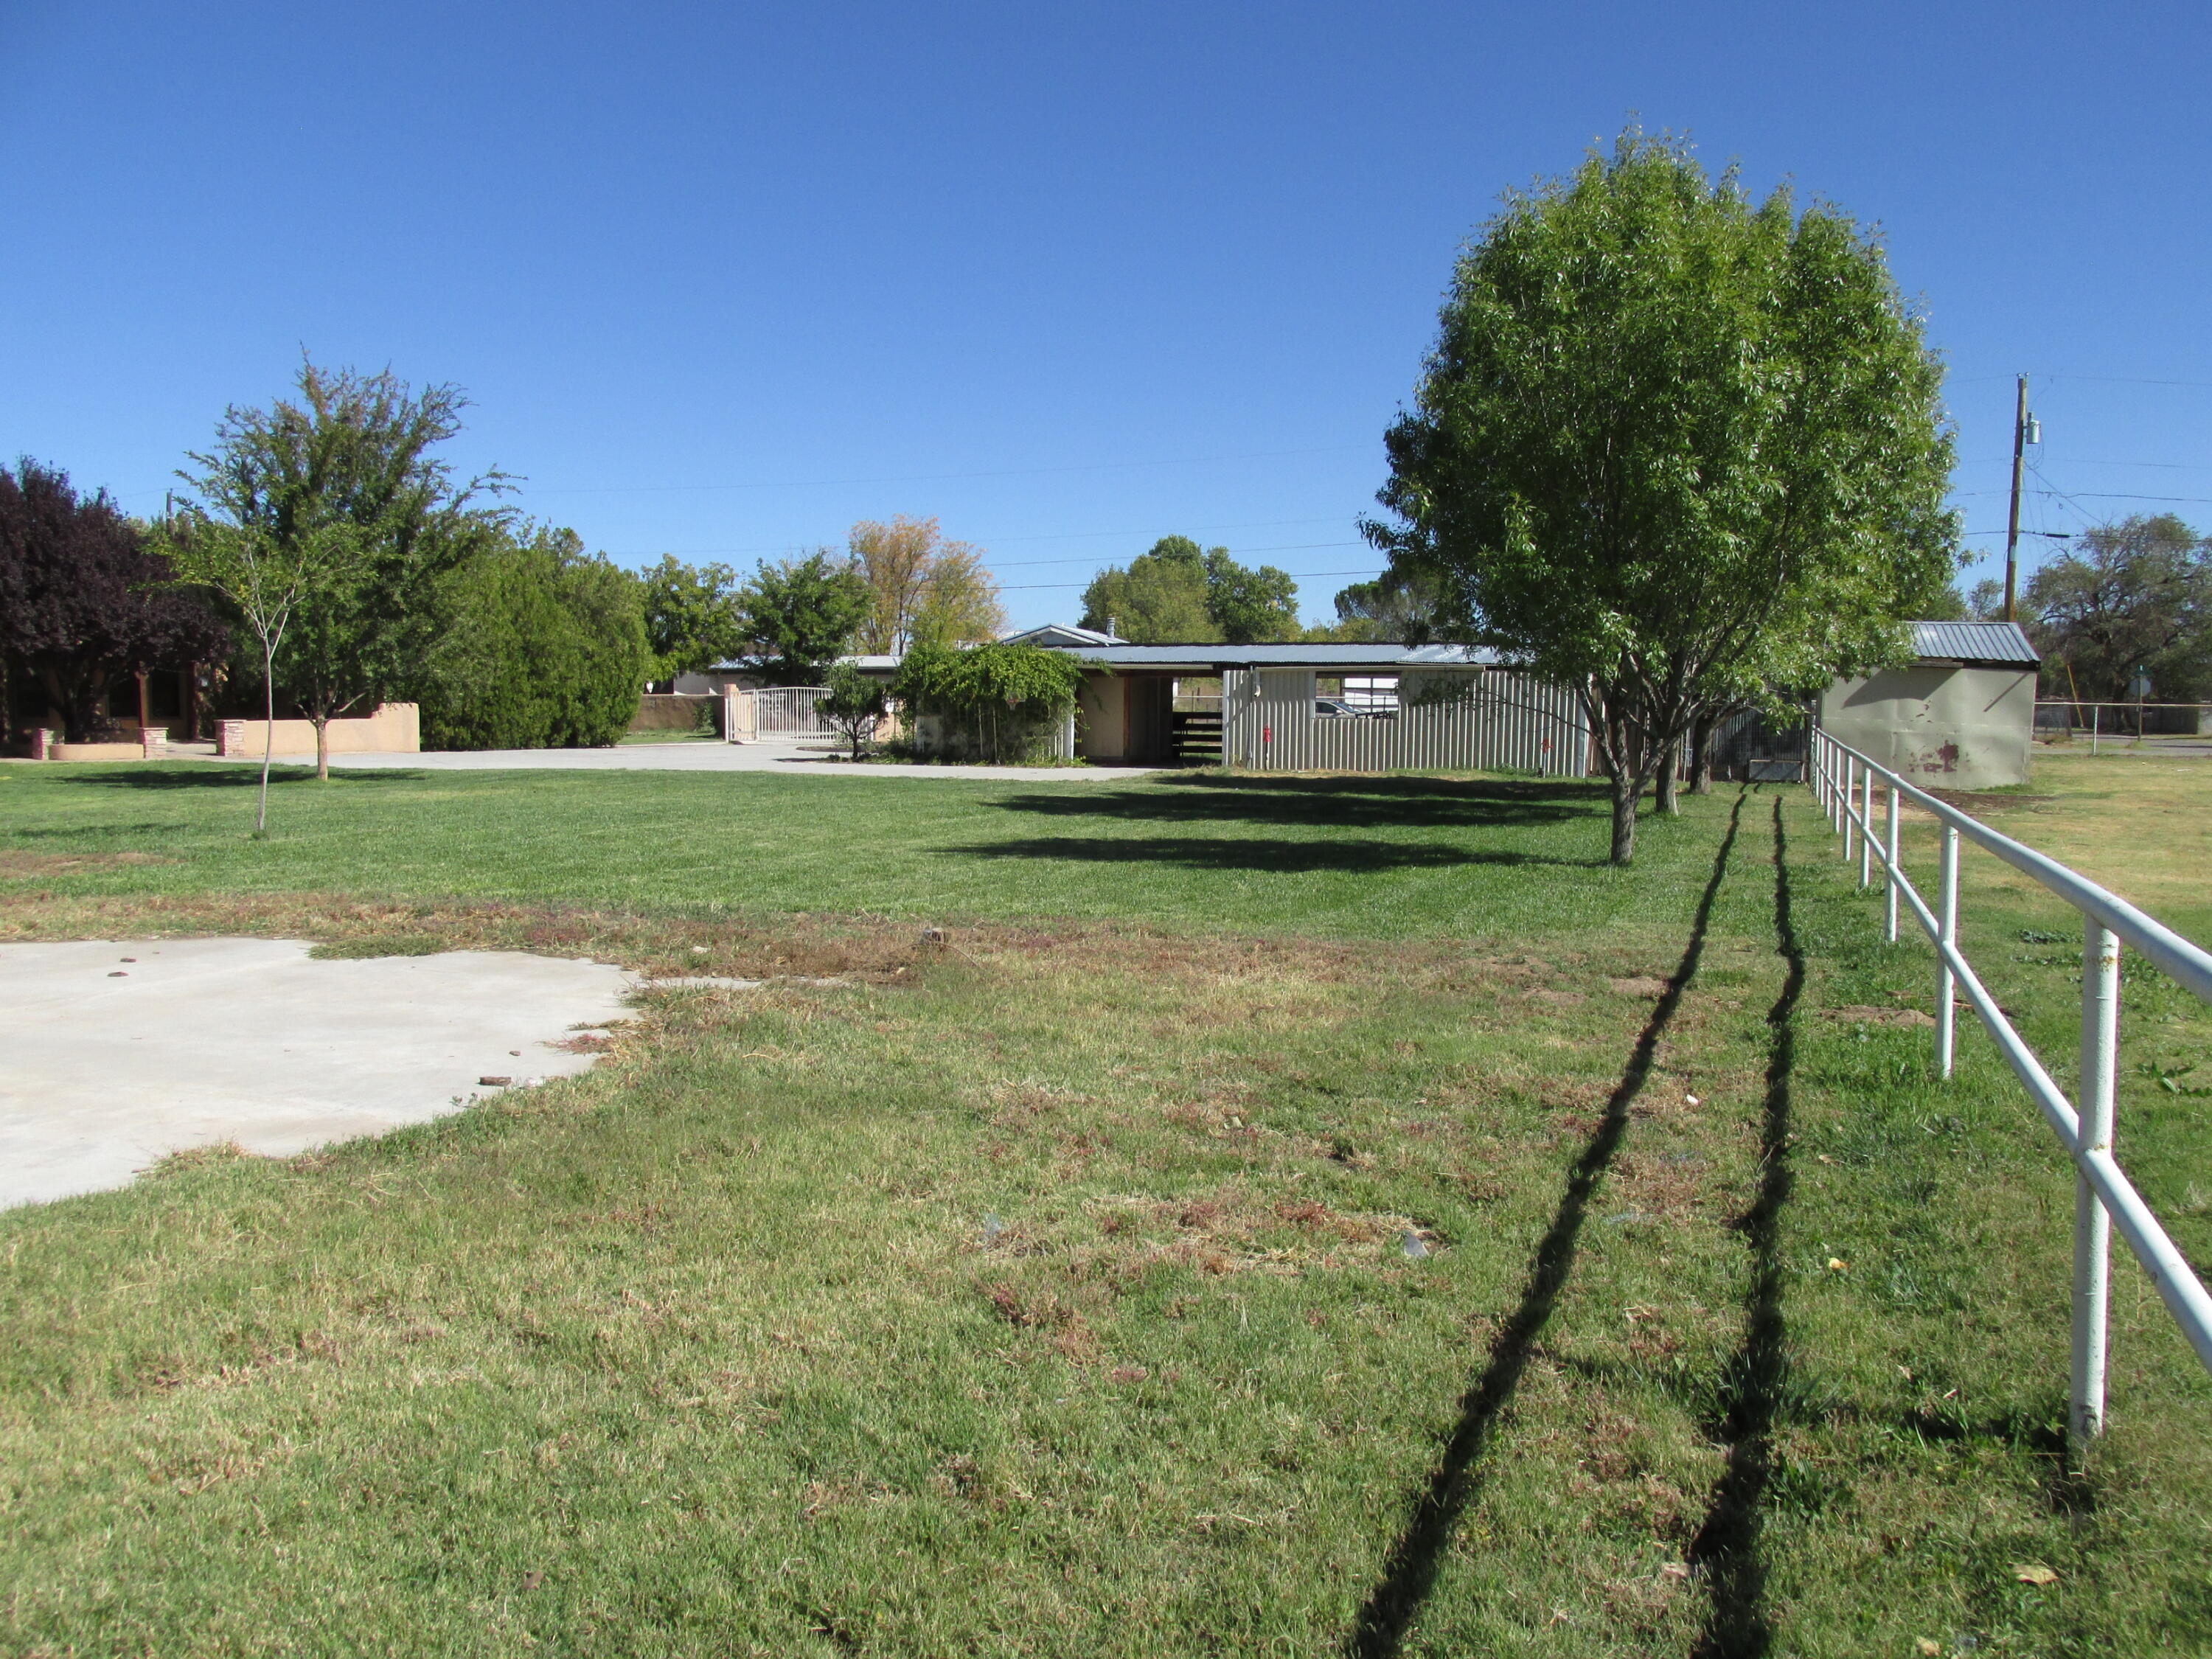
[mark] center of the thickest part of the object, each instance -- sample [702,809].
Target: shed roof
[1997,643]
[1384,656]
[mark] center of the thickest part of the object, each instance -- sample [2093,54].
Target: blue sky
[723,279]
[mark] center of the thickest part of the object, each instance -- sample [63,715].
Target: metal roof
[1210,657]
[1061,634]
[1995,642]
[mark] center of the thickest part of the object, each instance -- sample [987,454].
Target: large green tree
[1678,449]
[2134,594]
[534,644]
[798,616]
[695,616]
[1177,593]
[84,601]
[325,522]
[1160,599]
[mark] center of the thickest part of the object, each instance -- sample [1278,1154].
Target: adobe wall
[396,728]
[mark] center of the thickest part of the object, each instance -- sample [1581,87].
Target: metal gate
[786,713]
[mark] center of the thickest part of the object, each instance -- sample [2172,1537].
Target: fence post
[1866,830]
[1889,907]
[1946,1016]
[1851,792]
[2092,1226]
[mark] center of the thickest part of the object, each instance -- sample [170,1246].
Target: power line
[1310,575]
[939,477]
[994,541]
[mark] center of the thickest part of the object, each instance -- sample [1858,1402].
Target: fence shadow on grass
[1409,1571]
[1331,802]
[1284,854]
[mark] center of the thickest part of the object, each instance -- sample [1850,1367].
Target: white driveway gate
[785,714]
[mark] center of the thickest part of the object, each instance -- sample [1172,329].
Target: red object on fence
[1266,734]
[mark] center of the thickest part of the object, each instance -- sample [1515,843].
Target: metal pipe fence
[2066,720]
[1843,782]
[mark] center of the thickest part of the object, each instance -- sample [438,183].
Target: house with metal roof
[1960,715]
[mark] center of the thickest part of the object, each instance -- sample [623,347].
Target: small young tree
[84,600]
[339,493]
[264,578]
[1674,449]
[852,705]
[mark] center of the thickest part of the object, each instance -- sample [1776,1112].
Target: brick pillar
[42,741]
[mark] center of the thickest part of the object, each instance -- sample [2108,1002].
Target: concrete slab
[120,1053]
[790,760]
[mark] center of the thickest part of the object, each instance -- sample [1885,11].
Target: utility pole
[2012,530]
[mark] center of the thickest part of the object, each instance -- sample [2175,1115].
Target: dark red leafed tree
[82,600]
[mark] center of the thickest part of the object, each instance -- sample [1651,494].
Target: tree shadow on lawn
[1414,803]
[241,776]
[1257,853]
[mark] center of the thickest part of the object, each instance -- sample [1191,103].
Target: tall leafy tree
[2134,594]
[534,644]
[1394,606]
[694,616]
[798,616]
[1177,593]
[334,500]
[1249,606]
[1676,448]
[84,600]
[925,588]
[1160,599]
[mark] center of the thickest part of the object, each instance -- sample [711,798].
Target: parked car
[1337,706]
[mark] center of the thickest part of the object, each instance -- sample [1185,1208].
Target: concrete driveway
[118,1053]
[790,760]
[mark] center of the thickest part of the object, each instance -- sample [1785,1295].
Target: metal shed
[1961,715]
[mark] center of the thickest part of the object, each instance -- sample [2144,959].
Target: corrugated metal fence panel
[1492,721]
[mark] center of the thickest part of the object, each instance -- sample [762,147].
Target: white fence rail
[1844,781]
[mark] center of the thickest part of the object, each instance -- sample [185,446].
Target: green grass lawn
[1049,1291]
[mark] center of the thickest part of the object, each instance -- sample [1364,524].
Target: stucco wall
[1102,717]
[1955,728]
[395,728]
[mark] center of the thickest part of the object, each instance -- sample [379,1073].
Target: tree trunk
[268,734]
[323,747]
[1669,781]
[1701,757]
[1627,787]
